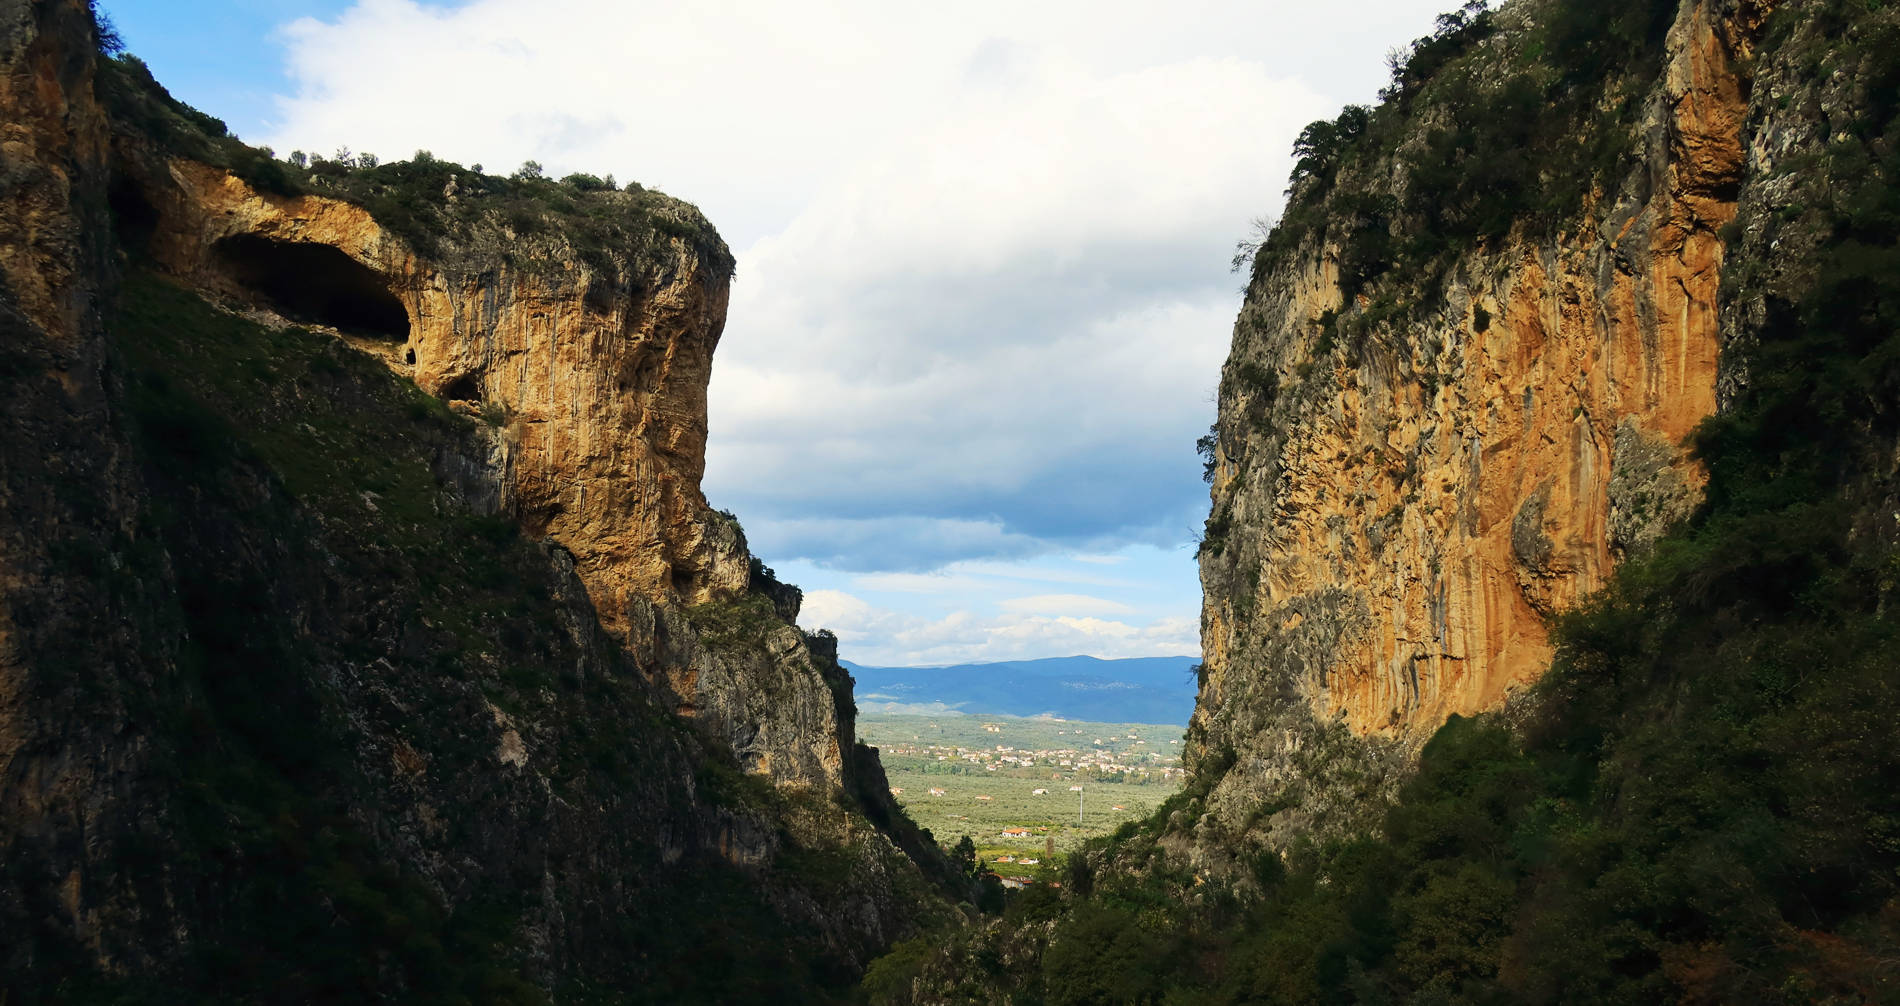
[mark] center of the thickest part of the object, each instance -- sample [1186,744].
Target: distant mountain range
[1134,690]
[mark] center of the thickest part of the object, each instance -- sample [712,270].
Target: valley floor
[979,775]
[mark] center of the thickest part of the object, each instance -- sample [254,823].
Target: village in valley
[1025,789]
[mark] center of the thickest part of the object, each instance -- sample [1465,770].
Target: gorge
[366,634]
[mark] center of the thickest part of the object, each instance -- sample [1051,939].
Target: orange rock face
[592,386]
[598,395]
[52,134]
[1393,546]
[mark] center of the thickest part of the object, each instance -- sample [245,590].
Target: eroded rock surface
[598,382]
[590,373]
[1392,526]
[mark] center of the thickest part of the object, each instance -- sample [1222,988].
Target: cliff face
[600,379]
[453,688]
[1402,498]
[1693,803]
[591,376]
[67,477]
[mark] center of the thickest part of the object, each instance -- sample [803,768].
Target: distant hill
[1134,690]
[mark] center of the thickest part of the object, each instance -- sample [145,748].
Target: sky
[983,290]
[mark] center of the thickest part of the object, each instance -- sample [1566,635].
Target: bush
[1208,447]
[1104,955]
[262,172]
[888,979]
[587,183]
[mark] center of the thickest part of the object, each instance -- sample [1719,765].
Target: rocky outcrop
[1706,757]
[1393,521]
[779,697]
[596,376]
[590,373]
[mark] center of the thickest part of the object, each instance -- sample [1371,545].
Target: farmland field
[1125,771]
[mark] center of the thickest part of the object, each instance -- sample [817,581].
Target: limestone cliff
[359,606]
[599,374]
[1453,406]
[1418,462]
[589,368]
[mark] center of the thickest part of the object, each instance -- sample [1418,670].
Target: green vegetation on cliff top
[1473,141]
[430,203]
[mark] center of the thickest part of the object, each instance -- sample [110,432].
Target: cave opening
[134,218]
[315,284]
[462,389]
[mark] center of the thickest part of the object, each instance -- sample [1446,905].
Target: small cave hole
[134,218]
[409,357]
[682,581]
[462,389]
[315,283]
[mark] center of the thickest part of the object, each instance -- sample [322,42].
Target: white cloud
[1064,604]
[982,295]
[882,637]
[903,542]
[749,107]
[982,578]
[1017,313]
[831,608]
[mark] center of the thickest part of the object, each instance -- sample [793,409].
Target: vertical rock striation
[590,370]
[596,370]
[1397,512]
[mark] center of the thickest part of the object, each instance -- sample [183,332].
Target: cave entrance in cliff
[462,389]
[316,284]
[134,218]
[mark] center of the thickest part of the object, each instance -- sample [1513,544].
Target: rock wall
[1391,528]
[592,376]
[600,381]
[69,771]
[278,669]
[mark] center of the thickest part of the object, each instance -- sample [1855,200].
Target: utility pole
[1081,797]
